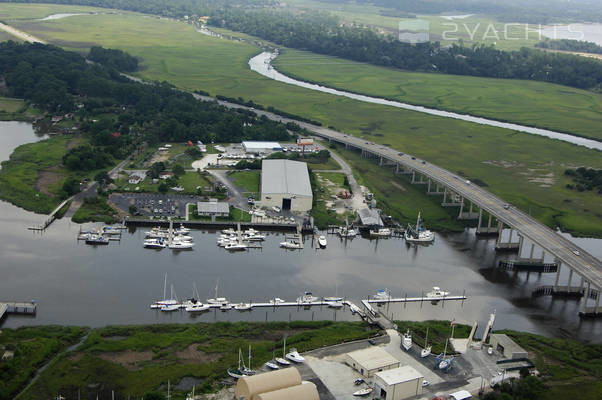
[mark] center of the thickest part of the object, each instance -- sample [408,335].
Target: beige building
[398,383]
[283,384]
[285,184]
[506,346]
[370,361]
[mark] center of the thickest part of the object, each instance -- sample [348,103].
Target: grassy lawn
[331,164]
[133,360]
[324,186]
[33,346]
[16,109]
[248,180]
[12,12]
[191,180]
[95,210]
[8,105]
[438,333]
[236,215]
[512,164]
[526,102]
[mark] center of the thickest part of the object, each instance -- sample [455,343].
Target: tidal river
[83,285]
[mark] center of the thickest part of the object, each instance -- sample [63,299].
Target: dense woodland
[570,45]
[322,34]
[114,111]
[113,59]
[585,179]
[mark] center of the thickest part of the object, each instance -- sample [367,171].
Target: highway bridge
[459,192]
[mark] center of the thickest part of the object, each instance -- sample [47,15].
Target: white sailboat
[281,360]
[336,297]
[165,301]
[216,299]
[237,372]
[272,364]
[248,370]
[406,340]
[171,307]
[426,351]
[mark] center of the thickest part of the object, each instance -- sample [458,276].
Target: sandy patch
[193,355]
[504,164]
[45,179]
[128,358]
[398,186]
[76,357]
[543,179]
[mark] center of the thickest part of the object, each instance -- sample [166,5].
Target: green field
[95,210]
[10,105]
[32,347]
[530,103]
[248,180]
[515,166]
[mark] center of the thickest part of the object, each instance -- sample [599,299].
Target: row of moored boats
[174,238]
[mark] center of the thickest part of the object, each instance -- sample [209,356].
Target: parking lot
[154,204]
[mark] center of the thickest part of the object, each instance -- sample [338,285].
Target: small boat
[294,355]
[216,299]
[437,292]
[110,230]
[381,232]
[272,365]
[97,239]
[253,238]
[322,241]
[336,297]
[307,297]
[382,295]
[166,301]
[426,351]
[170,307]
[276,301]
[226,307]
[354,309]
[406,341]
[418,234]
[363,392]
[290,244]
[347,232]
[154,244]
[236,246]
[243,307]
[180,245]
[198,307]
[181,230]
[282,360]
[335,304]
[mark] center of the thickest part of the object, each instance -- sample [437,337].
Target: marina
[17,308]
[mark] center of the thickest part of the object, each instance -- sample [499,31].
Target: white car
[425,383]
[276,209]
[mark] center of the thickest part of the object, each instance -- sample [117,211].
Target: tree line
[113,58]
[570,45]
[115,112]
[322,34]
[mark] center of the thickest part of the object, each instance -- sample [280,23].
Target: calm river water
[83,285]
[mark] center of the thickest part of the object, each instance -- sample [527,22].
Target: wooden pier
[216,225]
[17,308]
[51,217]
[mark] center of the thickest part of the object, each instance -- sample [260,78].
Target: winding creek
[78,284]
[261,64]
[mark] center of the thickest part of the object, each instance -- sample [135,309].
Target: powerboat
[198,307]
[177,244]
[294,356]
[276,301]
[282,361]
[322,241]
[418,234]
[335,304]
[154,244]
[272,365]
[307,297]
[406,341]
[437,292]
[226,307]
[110,230]
[243,307]
[292,245]
[363,392]
[181,230]
[97,239]
[347,232]
[170,307]
[381,232]
[229,231]
[253,238]
[383,295]
[235,246]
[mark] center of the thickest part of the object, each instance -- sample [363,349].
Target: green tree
[133,209]
[163,188]
[70,187]
[178,170]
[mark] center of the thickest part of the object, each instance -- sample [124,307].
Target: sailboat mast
[426,340]
[445,350]
[284,347]
[165,286]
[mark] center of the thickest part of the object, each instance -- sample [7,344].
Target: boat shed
[398,383]
[370,217]
[506,346]
[248,387]
[261,147]
[304,391]
[460,395]
[371,360]
[285,184]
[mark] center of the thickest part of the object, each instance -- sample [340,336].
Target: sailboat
[427,349]
[217,300]
[441,362]
[248,370]
[165,301]
[336,297]
[281,360]
[193,305]
[191,395]
[406,340]
[272,363]
[171,307]
[237,372]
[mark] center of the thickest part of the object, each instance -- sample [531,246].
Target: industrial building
[398,383]
[506,346]
[212,208]
[370,361]
[284,384]
[285,184]
[261,147]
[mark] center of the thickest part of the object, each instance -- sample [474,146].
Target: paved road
[235,196]
[563,249]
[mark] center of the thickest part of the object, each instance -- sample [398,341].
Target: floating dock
[17,308]
[218,224]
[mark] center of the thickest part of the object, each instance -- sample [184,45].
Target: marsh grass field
[523,169]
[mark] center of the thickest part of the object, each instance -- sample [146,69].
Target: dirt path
[20,34]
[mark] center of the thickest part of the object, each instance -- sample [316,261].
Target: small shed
[249,386]
[398,383]
[370,361]
[506,346]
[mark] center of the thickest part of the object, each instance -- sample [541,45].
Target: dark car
[372,341]
[413,158]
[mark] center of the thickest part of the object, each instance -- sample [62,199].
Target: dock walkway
[17,308]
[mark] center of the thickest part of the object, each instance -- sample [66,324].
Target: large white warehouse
[285,184]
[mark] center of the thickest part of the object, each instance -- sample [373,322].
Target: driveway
[236,197]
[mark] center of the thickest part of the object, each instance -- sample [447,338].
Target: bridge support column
[413,177]
[520,245]
[444,195]
[558,275]
[380,162]
[570,275]
[480,219]
[428,189]
[461,208]
[531,253]
[585,298]
[396,168]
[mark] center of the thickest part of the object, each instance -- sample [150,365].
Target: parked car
[276,209]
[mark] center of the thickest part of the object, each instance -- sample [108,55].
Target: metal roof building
[304,391]
[506,346]
[212,208]
[248,387]
[398,383]
[370,217]
[261,147]
[285,184]
[371,360]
